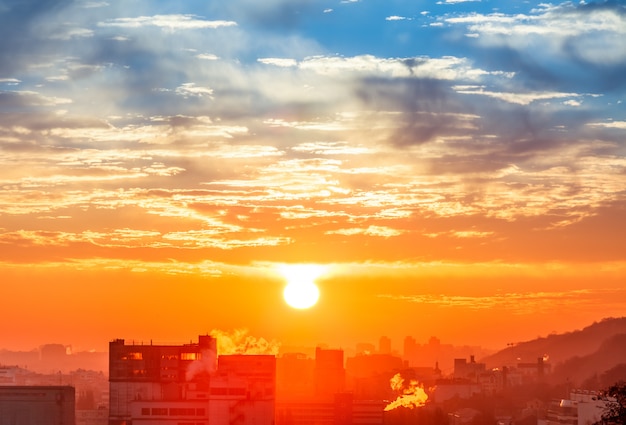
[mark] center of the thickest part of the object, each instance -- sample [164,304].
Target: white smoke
[239,342]
[235,342]
[411,395]
[207,363]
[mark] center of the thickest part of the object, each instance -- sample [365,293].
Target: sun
[301,291]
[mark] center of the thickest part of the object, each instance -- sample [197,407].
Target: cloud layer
[340,131]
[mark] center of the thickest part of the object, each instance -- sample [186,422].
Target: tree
[615,410]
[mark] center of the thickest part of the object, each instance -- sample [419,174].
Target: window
[145,411]
[182,411]
[169,357]
[190,356]
[200,412]
[159,410]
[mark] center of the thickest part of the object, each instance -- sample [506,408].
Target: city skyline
[453,169]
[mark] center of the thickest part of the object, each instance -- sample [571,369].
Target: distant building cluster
[193,384]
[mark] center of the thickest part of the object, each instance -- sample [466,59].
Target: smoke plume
[207,363]
[235,342]
[239,342]
[412,395]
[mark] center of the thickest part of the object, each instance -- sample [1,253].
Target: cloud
[281,62]
[94,4]
[517,98]
[379,231]
[170,22]
[30,98]
[611,124]
[517,303]
[546,44]
[274,139]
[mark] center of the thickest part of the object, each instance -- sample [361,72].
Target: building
[315,391]
[295,377]
[384,345]
[37,405]
[447,389]
[533,371]
[368,375]
[190,383]
[468,370]
[92,417]
[582,408]
[330,375]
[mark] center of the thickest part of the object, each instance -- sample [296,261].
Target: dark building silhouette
[37,405]
[468,370]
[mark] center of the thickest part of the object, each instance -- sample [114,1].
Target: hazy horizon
[241,340]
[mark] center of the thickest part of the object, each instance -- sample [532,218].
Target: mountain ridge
[576,356]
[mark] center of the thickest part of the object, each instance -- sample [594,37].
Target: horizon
[407,168]
[240,341]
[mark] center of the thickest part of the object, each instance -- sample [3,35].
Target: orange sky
[87,303]
[159,162]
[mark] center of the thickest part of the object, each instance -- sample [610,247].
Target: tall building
[317,394]
[384,345]
[190,383]
[330,375]
[409,351]
[295,377]
[37,405]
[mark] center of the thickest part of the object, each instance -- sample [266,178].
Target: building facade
[189,384]
[37,405]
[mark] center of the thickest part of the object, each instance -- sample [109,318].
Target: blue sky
[217,135]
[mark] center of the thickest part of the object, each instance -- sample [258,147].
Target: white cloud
[281,62]
[443,68]
[572,102]
[207,56]
[191,90]
[612,124]
[596,34]
[172,22]
[517,98]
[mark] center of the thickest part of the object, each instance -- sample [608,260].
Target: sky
[457,168]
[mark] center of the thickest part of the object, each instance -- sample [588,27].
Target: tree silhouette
[615,411]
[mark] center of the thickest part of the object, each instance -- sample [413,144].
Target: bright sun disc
[301,291]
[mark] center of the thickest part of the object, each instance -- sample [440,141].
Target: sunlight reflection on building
[190,383]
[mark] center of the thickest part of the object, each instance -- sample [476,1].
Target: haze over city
[453,169]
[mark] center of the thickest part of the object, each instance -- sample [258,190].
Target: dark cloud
[21,36]
[427,107]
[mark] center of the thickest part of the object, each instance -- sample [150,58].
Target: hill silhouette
[580,370]
[576,357]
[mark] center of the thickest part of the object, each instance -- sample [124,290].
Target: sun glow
[301,291]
